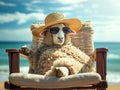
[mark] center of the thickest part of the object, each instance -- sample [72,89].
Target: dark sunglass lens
[66,30]
[54,30]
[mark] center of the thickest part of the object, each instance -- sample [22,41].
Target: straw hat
[56,18]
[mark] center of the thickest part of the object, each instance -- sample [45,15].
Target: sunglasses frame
[55,30]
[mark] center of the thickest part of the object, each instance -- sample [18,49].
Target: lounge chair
[20,81]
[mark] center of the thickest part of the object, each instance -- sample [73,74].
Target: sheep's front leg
[61,71]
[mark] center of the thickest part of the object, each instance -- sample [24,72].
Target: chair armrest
[14,60]
[101,54]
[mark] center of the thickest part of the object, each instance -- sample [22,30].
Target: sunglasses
[55,30]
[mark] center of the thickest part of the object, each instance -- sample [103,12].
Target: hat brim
[73,23]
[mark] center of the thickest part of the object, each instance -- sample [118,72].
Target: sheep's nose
[60,38]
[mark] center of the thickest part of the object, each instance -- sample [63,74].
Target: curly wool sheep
[53,59]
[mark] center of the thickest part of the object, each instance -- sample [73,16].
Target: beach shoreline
[110,87]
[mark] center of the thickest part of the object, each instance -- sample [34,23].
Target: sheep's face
[58,32]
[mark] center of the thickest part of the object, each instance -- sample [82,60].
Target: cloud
[30,3]
[23,34]
[65,8]
[33,6]
[108,30]
[87,10]
[94,5]
[69,1]
[110,35]
[34,9]
[20,17]
[7,4]
[107,20]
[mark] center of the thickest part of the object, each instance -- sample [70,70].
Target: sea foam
[113,56]
[113,77]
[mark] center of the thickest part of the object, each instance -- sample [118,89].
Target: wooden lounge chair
[14,67]
[14,55]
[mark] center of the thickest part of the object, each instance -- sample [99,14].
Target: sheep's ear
[72,32]
[42,34]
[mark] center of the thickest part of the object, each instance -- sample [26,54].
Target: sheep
[56,56]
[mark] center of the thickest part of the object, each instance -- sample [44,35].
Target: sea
[113,59]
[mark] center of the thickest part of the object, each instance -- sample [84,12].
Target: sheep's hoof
[61,71]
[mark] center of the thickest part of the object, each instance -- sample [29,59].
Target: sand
[113,87]
[2,86]
[110,87]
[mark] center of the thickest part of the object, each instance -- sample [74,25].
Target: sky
[16,17]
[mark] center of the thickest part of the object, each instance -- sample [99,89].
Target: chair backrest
[82,40]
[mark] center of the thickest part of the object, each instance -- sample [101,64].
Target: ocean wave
[5,68]
[113,77]
[113,56]
[4,76]
[24,69]
[2,49]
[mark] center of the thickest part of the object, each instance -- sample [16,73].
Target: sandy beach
[110,87]
[113,87]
